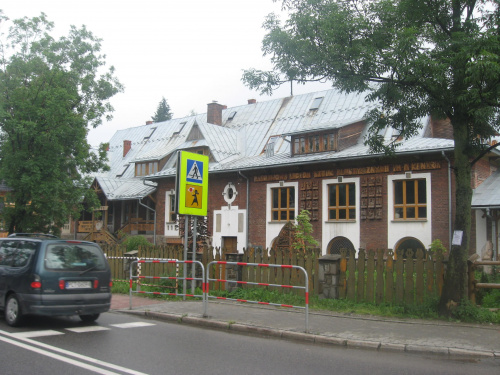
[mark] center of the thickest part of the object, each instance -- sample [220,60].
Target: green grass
[487,312]
[122,287]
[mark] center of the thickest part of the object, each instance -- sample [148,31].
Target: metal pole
[186,229]
[195,232]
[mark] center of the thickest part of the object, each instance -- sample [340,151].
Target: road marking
[132,325]
[31,334]
[87,329]
[36,347]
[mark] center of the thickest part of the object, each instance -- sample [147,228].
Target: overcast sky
[191,52]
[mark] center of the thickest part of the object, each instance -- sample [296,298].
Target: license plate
[78,285]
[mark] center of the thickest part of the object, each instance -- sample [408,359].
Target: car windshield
[74,257]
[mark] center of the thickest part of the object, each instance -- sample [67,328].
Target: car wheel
[89,318]
[13,313]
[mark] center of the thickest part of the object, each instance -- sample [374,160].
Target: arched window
[409,243]
[339,243]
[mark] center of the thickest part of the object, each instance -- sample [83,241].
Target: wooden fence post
[351,279]
[370,274]
[361,275]
[389,277]
[379,287]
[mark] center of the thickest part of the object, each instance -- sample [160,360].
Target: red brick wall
[373,233]
[441,129]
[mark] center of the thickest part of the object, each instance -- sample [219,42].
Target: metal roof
[487,195]
[240,142]
[124,189]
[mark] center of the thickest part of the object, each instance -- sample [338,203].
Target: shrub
[134,242]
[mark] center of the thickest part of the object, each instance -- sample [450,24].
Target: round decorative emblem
[230,193]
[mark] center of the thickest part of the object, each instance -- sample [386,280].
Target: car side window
[7,252]
[24,252]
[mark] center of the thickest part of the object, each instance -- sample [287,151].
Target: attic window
[150,134]
[316,103]
[231,115]
[125,167]
[180,128]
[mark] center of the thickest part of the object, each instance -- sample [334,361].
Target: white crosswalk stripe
[32,334]
[86,329]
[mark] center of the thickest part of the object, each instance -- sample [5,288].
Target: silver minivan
[42,275]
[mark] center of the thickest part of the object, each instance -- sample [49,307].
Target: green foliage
[134,242]
[468,312]
[162,112]
[51,91]
[412,58]
[303,232]
[437,247]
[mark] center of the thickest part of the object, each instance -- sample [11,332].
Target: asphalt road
[124,344]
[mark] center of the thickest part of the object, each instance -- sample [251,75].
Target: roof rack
[46,235]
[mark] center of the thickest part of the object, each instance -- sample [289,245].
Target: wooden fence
[374,276]
[380,277]
[120,265]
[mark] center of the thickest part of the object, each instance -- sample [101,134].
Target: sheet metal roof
[124,189]
[487,195]
[240,142]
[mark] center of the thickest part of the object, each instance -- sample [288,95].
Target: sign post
[192,197]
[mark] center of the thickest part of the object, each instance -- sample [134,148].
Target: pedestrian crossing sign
[192,184]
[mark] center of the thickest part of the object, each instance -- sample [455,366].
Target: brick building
[269,160]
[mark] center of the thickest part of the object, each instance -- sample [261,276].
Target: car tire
[89,318]
[13,312]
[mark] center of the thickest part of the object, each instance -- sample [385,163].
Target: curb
[314,338]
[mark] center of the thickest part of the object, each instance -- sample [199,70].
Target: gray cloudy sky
[189,51]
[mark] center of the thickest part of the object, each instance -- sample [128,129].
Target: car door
[8,249]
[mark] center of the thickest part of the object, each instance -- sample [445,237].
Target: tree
[303,232]
[162,112]
[415,57]
[50,93]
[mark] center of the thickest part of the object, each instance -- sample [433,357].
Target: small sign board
[457,238]
[192,184]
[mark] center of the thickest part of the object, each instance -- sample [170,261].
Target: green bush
[134,242]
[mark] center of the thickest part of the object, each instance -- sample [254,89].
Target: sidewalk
[325,327]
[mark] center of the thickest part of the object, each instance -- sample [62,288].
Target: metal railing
[168,261]
[243,264]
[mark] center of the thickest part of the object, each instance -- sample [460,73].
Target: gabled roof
[240,141]
[487,195]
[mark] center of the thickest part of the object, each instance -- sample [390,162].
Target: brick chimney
[214,113]
[252,101]
[127,145]
[441,128]
[149,122]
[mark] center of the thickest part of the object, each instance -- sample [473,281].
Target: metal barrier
[138,277]
[306,287]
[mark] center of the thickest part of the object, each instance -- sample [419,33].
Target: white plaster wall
[273,228]
[229,226]
[421,230]
[332,229]
[170,228]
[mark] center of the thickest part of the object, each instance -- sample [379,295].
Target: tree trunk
[455,283]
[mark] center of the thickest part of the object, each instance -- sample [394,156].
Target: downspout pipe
[154,213]
[247,207]
[151,209]
[449,200]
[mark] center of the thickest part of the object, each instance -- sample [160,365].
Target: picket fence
[381,276]
[377,276]
[120,265]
